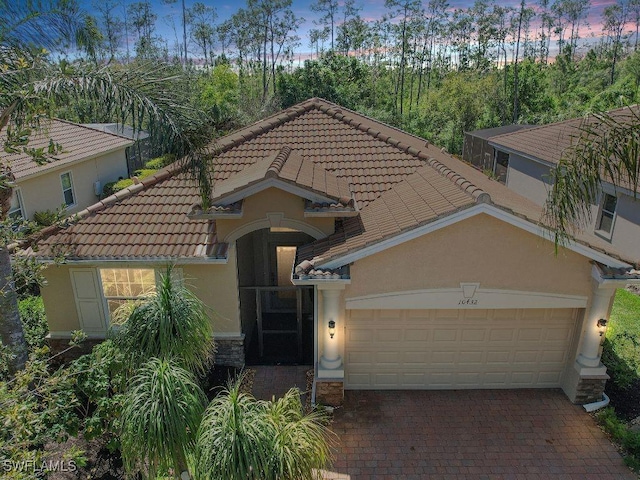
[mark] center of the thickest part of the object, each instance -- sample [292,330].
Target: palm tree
[607,150]
[170,324]
[241,438]
[162,411]
[140,94]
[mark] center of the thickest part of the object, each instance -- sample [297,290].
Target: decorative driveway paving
[470,434]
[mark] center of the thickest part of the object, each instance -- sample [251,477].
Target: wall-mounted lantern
[602,325]
[332,328]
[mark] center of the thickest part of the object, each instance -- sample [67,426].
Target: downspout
[592,407]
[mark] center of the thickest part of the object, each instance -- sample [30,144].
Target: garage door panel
[502,335]
[440,349]
[474,335]
[445,335]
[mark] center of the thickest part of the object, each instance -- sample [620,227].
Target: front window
[124,285]
[609,202]
[16,210]
[67,189]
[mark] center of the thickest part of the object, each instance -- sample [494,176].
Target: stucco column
[590,350]
[330,359]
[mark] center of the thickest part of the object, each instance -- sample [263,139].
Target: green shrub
[34,321]
[144,173]
[108,189]
[47,217]
[27,276]
[122,184]
[621,434]
[160,162]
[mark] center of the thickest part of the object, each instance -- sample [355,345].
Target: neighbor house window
[609,202]
[17,209]
[122,285]
[67,189]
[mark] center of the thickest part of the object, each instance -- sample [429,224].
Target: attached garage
[452,349]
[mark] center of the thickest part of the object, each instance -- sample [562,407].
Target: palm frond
[607,150]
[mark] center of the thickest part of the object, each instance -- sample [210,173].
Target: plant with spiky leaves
[162,410]
[244,438]
[170,324]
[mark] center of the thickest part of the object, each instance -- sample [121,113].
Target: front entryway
[277,316]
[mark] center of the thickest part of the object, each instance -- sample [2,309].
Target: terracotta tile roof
[399,182]
[549,142]
[77,141]
[290,167]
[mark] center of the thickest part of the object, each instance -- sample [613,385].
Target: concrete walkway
[470,434]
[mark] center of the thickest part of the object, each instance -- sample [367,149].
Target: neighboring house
[524,160]
[477,151]
[338,241]
[81,161]
[138,153]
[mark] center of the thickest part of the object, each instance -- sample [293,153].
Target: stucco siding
[480,249]
[528,178]
[214,284]
[276,208]
[217,287]
[58,298]
[44,192]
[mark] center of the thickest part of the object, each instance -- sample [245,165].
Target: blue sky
[371,10]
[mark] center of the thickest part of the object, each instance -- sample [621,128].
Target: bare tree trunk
[11,332]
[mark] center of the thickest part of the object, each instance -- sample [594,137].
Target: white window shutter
[89,303]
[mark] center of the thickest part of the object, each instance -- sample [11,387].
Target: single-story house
[74,164]
[338,241]
[525,158]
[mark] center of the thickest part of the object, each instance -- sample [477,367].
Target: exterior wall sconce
[602,325]
[332,328]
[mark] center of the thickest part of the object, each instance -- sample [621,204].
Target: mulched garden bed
[625,401]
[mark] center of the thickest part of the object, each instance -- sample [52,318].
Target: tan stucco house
[522,157]
[77,163]
[338,241]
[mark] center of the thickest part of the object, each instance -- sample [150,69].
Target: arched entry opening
[277,316]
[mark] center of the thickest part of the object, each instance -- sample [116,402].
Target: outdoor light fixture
[332,328]
[602,324]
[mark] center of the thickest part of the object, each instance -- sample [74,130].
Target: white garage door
[450,349]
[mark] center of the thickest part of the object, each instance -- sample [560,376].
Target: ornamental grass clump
[162,410]
[244,438]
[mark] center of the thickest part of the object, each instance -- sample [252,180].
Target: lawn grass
[622,347]
[625,315]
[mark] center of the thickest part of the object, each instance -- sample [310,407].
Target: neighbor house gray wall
[626,227]
[528,178]
[531,179]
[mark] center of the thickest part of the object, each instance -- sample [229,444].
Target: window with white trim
[607,212]
[124,285]
[67,189]
[17,209]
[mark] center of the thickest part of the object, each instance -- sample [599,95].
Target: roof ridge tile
[278,162]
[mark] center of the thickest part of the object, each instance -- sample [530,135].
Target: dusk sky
[371,10]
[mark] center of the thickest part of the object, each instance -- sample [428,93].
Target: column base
[330,392]
[331,364]
[585,384]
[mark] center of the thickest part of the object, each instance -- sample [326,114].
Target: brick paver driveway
[472,434]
